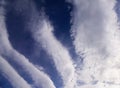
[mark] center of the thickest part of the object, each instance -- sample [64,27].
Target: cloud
[10,74]
[3,33]
[42,32]
[96,38]
[40,78]
[44,37]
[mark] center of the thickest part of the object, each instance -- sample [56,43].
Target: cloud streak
[40,78]
[44,37]
[96,38]
[42,32]
[10,74]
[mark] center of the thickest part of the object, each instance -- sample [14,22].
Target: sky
[59,43]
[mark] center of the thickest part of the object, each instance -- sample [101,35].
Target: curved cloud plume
[44,37]
[13,77]
[40,78]
[96,37]
[42,32]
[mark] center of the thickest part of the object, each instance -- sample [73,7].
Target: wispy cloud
[3,45]
[40,78]
[96,37]
[10,74]
[42,32]
[44,37]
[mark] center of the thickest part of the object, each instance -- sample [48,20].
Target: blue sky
[59,44]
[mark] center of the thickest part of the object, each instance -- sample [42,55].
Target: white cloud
[44,37]
[3,33]
[42,32]
[10,74]
[96,36]
[40,78]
